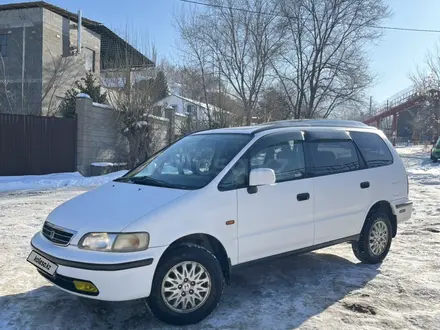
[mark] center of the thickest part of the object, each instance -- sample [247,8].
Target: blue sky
[397,54]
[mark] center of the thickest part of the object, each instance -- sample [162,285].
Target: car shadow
[286,291]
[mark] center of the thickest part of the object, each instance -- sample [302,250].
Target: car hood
[111,207]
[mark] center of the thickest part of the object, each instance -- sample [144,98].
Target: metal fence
[37,145]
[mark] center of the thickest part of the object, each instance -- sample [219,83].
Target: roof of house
[198,103]
[111,43]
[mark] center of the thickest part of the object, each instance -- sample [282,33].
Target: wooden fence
[37,145]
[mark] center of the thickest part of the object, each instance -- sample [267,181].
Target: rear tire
[192,275]
[375,239]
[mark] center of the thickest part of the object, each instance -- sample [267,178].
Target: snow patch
[100,105]
[141,123]
[105,164]
[419,166]
[53,181]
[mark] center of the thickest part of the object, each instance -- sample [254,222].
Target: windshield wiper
[149,181]
[122,179]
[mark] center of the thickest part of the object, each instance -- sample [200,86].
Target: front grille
[57,234]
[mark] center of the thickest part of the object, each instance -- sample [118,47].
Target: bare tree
[198,56]
[135,113]
[133,88]
[426,79]
[215,107]
[9,99]
[274,105]
[238,44]
[60,74]
[323,65]
[25,94]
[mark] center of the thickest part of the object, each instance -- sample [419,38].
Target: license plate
[42,263]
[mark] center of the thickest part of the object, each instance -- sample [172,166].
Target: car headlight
[126,242]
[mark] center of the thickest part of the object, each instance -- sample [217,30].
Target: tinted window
[190,163]
[333,157]
[236,178]
[285,156]
[373,148]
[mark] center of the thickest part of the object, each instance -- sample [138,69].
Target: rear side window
[330,157]
[373,148]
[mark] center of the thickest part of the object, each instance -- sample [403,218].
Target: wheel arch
[386,207]
[210,243]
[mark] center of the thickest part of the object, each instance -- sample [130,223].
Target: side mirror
[261,177]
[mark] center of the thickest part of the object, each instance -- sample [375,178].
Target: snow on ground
[51,181]
[328,289]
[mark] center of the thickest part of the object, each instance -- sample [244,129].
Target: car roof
[300,124]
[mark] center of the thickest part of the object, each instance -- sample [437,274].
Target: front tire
[187,285]
[375,239]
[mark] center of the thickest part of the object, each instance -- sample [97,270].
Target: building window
[89,57]
[157,111]
[3,45]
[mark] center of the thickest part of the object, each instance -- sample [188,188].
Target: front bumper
[117,276]
[402,209]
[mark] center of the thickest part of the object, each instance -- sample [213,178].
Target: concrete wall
[60,59]
[100,138]
[50,65]
[23,59]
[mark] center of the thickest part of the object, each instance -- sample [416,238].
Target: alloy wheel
[186,287]
[378,238]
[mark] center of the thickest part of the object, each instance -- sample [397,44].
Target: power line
[382,27]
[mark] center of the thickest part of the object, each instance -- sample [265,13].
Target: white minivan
[172,229]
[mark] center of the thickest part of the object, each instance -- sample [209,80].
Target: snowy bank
[419,166]
[51,181]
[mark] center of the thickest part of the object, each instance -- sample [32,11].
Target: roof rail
[310,123]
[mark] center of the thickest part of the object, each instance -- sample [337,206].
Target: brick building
[40,59]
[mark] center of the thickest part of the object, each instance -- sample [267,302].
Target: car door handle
[365,185]
[302,197]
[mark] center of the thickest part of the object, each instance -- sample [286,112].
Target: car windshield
[190,163]
[437,145]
